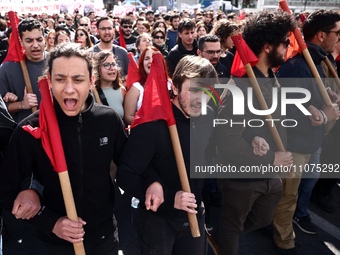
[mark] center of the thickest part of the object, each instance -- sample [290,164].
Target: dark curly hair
[267,27]
[28,25]
[321,20]
[223,28]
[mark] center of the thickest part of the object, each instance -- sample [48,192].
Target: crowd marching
[123,89]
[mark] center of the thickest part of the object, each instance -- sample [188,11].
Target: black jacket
[177,53]
[304,138]
[148,157]
[90,141]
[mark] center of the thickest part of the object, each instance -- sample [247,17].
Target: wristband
[325,119]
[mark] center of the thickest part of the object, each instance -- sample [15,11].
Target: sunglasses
[61,22]
[80,34]
[126,27]
[159,37]
[84,25]
[286,43]
[68,19]
[108,65]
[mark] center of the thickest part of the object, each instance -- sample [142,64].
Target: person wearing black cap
[150,17]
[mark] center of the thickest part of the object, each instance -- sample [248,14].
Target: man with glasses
[106,34]
[60,20]
[69,24]
[209,47]
[321,32]
[127,35]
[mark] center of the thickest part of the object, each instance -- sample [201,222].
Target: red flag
[122,42]
[156,101]
[15,50]
[132,74]
[293,48]
[243,56]
[48,129]
[302,17]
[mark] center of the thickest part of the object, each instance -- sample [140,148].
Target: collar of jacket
[179,114]
[61,115]
[183,49]
[317,53]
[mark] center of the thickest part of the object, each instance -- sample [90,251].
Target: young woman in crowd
[49,40]
[61,37]
[158,40]
[143,41]
[82,36]
[134,96]
[159,24]
[201,29]
[108,82]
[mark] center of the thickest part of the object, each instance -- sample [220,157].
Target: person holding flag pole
[169,203]
[249,199]
[321,33]
[91,138]
[19,72]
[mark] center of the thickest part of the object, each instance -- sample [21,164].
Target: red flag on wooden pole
[242,57]
[15,52]
[303,47]
[49,133]
[156,101]
[156,105]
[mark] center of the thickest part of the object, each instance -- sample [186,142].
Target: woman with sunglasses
[158,40]
[134,96]
[82,36]
[108,82]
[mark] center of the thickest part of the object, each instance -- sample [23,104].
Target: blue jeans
[307,184]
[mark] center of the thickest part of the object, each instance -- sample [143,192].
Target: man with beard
[150,17]
[209,47]
[106,33]
[186,44]
[321,32]
[31,35]
[126,33]
[172,31]
[249,200]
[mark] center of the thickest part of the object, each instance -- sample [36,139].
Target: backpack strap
[102,96]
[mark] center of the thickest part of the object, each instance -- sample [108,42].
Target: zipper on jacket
[80,123]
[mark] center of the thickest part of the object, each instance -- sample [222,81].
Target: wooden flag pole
[260,98]
[183,176]
[64,179]
[332,71]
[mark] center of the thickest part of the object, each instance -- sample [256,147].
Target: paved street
[326,242]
